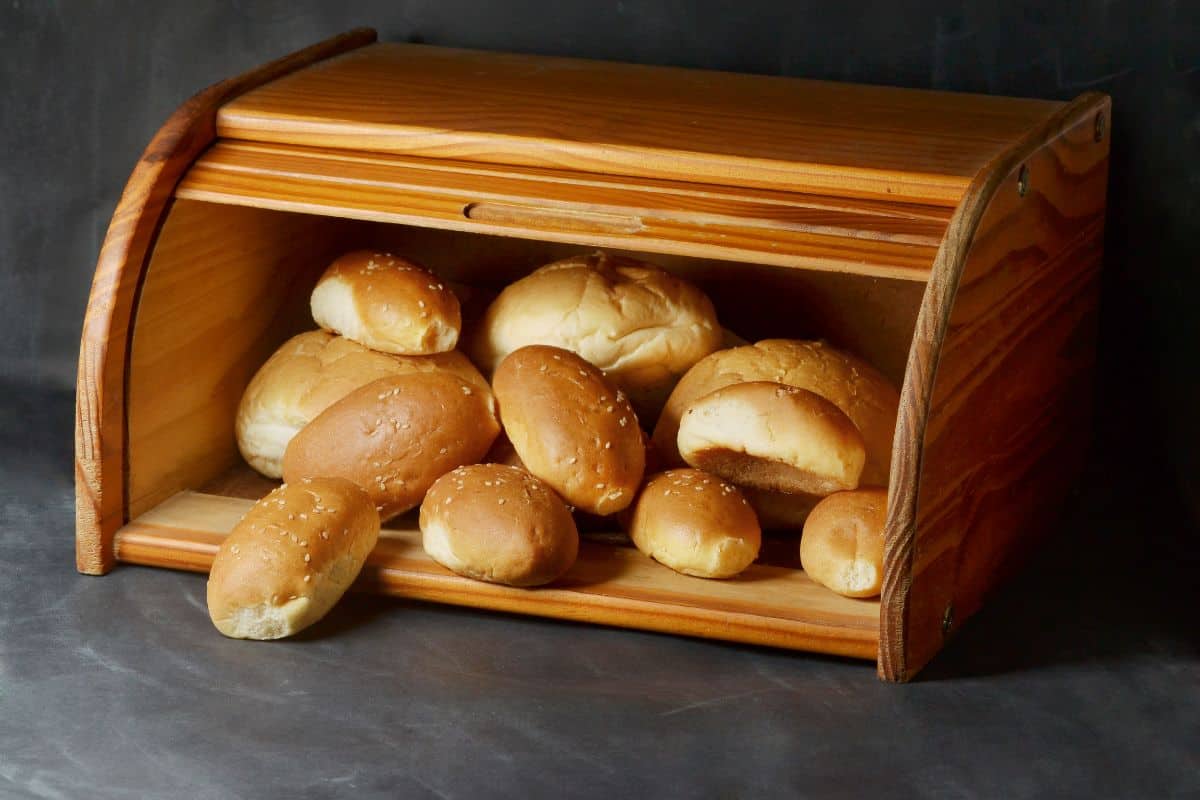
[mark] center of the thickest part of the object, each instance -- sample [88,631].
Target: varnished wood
[867,237]
[995,403]
[100,400]
[610,585]
[224,287]
[658,122]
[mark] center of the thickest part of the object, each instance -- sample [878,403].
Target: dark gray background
[1081,679]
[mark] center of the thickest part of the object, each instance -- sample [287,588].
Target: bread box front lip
[1025,182]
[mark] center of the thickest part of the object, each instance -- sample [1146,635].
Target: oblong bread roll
[842,545]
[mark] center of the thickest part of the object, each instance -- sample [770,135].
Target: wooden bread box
[953,240]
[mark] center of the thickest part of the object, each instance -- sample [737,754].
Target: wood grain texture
[994,407]
[610,585]
[100,393]
[655,122]
[787,229]
[224,288]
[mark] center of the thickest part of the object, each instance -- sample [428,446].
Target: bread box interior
[974,294]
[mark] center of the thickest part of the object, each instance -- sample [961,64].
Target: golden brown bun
[499,524]
[842,546]
[395,436]
[641,325]
[289,560]
[695,523]
[778,511]
[773,436]
[309,373]
[387,303]
[571,427]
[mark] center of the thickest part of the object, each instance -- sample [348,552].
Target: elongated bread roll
[290,558]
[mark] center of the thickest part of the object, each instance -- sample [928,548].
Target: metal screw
[1098,132]
[1023,181]
[948,619]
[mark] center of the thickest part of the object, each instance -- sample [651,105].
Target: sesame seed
[307,578]
[608,445]
[501,501]
[599,485]
[307,558]
[304,516]
[572,460]
[466,389]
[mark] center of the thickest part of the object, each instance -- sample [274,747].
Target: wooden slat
[860,236]
[658,122]
[609,585]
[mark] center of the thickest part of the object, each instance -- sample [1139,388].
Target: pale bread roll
[695,523]
[395,436]
[387,303]
[499,524]
[309,373]
[842,545]
[854,386]
[774,437]
[290,558]
[571,427]
[640,324]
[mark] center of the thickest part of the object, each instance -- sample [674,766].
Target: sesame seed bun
[387,303]
[842,545]
[695,523]
[395,436]
[499,524]
[290,558]
[571,427]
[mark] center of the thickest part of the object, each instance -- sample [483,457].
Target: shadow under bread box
[953,240]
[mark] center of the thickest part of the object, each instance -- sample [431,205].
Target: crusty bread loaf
[309,373]
[773,436]
[387,303]
[695,523]
[842,545]
[571,427]
[290,558]
[497,523]
[395,436]
[641,325]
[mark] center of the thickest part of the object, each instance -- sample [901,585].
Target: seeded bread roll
[842,546]
[387,303]
[289,560]
[774,437]
[641,325]
[499,524]
[309,373]
[571,427]
[396,436]
[695,523]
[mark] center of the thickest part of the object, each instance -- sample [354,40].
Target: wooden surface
[100,403]
[610,585]
[224,287]
[871,237]
[994,409]
[659,122]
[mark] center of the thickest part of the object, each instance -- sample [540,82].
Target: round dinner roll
[387,303]
[695,523]
[842,545]
[290,558]
[854,386]
[643,326]
[395,436]
[773,436]
[499,524]
[571,427]
[309,373]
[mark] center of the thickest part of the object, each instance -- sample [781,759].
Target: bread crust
[842,545]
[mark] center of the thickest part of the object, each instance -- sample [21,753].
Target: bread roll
[641,325]
[772,436]
[779,511]
[308,374]
[395,436]
[289,560]
[695,523]
[842,545]
[571,427]
[387,303]
[499,524]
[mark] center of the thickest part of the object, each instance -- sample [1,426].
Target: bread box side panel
[1002,359]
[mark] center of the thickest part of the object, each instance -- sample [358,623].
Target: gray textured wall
[83,86]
